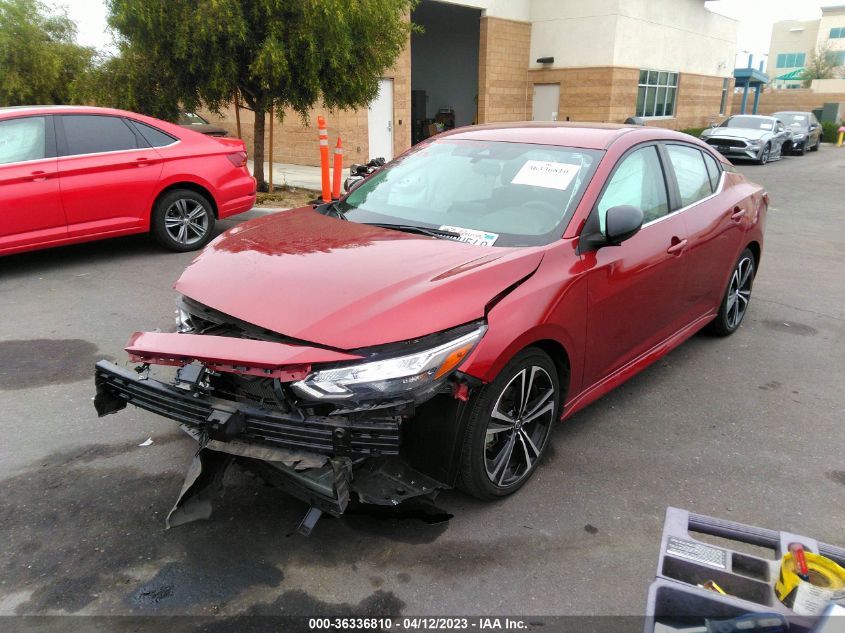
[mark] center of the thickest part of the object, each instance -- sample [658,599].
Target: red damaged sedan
[71,174]
[428,329]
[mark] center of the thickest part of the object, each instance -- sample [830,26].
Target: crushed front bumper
[318,459]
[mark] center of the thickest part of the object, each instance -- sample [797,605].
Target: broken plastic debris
[146,442]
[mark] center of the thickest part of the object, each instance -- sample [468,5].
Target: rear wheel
[183,220]
[737,296]
[509,426]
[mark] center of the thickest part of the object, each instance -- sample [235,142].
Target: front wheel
[737,296]
[817,145]
[182,220]
[509,426]
[764,155]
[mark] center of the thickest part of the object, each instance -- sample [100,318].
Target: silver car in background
[759,138]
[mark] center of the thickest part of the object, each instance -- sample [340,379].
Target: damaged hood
[349,285]
[748,134]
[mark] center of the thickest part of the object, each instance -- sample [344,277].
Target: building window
[724,103]
[838,58]
[837,33]
[791,60]
[656,94]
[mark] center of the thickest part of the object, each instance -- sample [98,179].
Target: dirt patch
[39,362]
[286,197]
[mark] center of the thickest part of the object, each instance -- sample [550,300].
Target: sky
[755,20]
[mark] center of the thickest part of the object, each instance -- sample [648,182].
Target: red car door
[107,173]
[635,290]
[30,207]
[715,220]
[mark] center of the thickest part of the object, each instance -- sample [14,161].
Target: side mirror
[352,182]
[621,223]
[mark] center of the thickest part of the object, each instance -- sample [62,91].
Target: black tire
[487,438]
[737,296]
[818,144]
[182,220]
[764,154]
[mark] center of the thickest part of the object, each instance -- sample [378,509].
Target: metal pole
[270,184]
[756,97]
[744,98]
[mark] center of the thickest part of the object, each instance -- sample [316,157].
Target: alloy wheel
[764,157]
[739,292]
[519,426]
[186,221]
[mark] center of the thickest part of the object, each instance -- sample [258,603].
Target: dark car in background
[759,138]
[193,121]
[806,130]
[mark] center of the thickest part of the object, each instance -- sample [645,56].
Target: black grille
[320,434]
[726,142]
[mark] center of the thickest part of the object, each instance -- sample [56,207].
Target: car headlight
[754,144]
[799,137]
[411,376]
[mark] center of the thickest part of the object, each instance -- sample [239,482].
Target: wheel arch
[190,186]
[754,247]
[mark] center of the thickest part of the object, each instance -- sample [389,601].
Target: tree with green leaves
[822,64]
[40,61]
[274,53]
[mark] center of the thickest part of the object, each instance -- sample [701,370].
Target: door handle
[38,176]
[677,246]
[737,214]
[142,162]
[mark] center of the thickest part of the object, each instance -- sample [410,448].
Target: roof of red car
[584,135]
[52,109]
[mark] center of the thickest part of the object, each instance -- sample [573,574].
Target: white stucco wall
[574,32]
[679,35]
[791,36]
[830,19]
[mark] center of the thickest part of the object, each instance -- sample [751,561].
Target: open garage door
[444,68]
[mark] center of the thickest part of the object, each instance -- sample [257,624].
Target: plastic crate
[675,600]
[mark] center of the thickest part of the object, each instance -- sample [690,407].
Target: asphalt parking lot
[747,428]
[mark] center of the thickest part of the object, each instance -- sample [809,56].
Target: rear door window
[712,170]
[23,139]
[691,173]
[94,134]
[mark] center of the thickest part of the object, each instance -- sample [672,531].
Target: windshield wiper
[413,228]
[331,209]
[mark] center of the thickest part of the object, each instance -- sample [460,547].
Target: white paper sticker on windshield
[798,117]
[542,173]
[471,236]
[765,126]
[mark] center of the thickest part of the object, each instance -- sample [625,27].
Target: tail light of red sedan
[238,159]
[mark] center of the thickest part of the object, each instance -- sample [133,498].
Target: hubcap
[186,221]
[519,426]
[739,292]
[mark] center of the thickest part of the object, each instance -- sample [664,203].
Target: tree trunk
[258,150]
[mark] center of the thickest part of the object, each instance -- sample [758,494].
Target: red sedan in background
[429,328]
[71,174]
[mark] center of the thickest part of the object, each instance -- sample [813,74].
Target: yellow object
[826,583]
[712,586]
[839,142]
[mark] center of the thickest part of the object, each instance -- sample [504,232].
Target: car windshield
[493,193]
[751,122]
[191,118]
[794,119]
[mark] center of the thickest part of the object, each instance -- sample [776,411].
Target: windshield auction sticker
[470,236]
[541,173]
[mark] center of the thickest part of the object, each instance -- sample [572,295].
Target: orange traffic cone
[324,158]
[338,168]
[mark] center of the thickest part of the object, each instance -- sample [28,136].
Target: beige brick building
[793,43]
[480,61]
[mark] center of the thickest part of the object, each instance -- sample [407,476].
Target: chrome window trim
[119,151]
[27,162]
